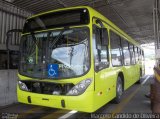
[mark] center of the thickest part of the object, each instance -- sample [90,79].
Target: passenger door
[103,73]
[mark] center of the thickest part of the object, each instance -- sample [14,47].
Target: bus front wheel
[119,90]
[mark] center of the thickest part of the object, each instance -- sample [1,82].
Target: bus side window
[131,47]
[136,53]
[100,49]
[126,52]
[143,54]
[139,54]
[116,52]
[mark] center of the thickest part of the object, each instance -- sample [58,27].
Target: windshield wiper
[59,36]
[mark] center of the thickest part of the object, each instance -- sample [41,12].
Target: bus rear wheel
[119,90]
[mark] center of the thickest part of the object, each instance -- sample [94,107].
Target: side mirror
[8,43]
[9,35]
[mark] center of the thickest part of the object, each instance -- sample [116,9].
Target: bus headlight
[80,87]
[22,86]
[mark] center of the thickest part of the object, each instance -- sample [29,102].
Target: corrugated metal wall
[11,17]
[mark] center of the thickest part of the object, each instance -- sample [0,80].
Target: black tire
[119,91]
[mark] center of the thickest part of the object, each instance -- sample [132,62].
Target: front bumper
[82,102]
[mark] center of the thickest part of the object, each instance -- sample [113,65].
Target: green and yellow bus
[76,59]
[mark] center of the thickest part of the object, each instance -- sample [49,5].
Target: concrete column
[156,26]
[8,81]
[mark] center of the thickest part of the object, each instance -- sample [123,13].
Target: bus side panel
[105,87]
[131,75]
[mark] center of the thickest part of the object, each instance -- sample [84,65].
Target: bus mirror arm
[98,21]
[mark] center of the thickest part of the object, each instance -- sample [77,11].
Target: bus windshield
[55,54]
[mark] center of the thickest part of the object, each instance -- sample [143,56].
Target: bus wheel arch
[122,78]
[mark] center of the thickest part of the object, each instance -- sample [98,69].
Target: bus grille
[48,88]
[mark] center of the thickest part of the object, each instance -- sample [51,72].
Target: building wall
[11,17]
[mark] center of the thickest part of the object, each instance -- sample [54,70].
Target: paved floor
[133,101]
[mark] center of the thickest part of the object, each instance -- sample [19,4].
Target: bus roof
[94,13]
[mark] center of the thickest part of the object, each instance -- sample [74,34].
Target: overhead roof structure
[133,16]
